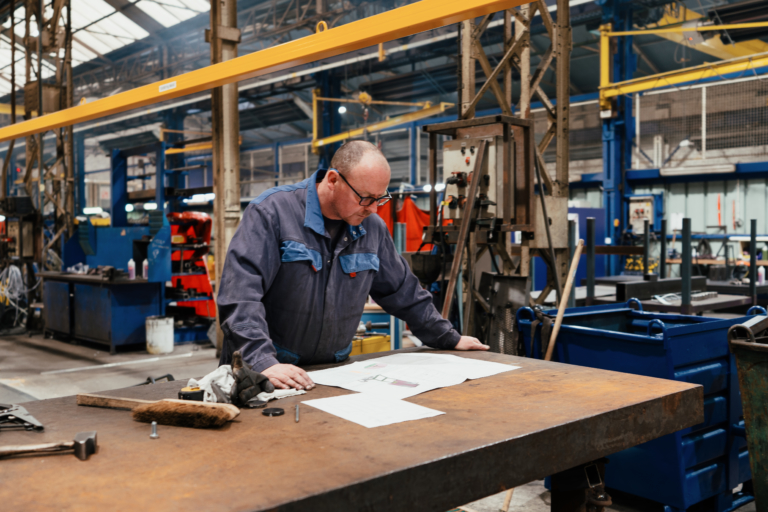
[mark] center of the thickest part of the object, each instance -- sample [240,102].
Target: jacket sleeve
[252,262]
[399,292]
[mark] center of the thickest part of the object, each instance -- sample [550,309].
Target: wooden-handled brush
[178,413]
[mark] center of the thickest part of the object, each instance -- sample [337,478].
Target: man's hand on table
[286,376]
[470,343]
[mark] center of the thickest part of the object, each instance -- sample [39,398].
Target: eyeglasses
[365,201]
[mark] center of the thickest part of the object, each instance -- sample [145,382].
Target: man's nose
[373,207]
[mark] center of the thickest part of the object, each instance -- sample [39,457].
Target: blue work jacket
[285,298]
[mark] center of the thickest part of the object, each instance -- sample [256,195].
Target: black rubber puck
[274,411]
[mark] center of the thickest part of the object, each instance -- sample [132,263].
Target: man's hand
[470,343]
[248,383]
[286,376]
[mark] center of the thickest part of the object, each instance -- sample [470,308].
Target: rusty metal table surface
[498,432]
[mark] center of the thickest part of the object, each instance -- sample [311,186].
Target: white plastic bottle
[131,269]
[145,269]
[761,275]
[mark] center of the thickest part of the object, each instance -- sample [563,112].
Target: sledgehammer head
[85,444]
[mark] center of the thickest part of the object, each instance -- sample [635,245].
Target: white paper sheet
[372,411]
[406,375]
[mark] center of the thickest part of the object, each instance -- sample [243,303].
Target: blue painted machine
[703,462]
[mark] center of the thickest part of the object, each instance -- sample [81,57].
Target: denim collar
[313,218]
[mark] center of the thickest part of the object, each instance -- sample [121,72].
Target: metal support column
[663,251]
[571,251]
[225,127]
[590,260]
[753,260]
[79,174]
[685,268]
[646,247]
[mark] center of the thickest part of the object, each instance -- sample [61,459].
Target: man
[302,264]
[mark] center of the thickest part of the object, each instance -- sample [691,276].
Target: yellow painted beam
[681,29]
[605,64]
[5,108]
[394,24]
[383,125]
[691,74]
[712,46]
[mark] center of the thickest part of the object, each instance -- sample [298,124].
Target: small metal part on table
[273,411]
[255,403]
[154,435]
[16,417]
[297,413]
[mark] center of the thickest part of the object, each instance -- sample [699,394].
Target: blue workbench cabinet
[704,462]
[115,314]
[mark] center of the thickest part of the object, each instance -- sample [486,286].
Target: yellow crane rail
[610,90]
[383,125]
[401,22]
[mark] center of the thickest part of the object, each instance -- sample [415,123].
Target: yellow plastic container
[370,345]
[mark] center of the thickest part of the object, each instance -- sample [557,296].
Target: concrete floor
[34,368]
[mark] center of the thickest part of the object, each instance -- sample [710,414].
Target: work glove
[248,383]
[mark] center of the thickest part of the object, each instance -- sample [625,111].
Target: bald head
[351,155]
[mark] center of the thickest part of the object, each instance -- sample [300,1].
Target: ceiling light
[342,109]
[92,210]
[150,206]
[129,207]
[427,188]
[439,187]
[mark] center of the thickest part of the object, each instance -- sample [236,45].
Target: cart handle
[525,309]
[635,301]
[760,311]
[660,324]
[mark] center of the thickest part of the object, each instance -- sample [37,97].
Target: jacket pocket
[343,354]
[285,356]
[354,263]
[291,251]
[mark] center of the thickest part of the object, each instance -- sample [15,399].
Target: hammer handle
[31,448]
[111,402]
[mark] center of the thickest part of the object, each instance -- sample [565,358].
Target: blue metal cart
[704,462]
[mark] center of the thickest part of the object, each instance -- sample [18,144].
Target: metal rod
[685,268]
[571,250]
[646,246]
[432,178]
[549,235]
[561,309]
[590,259]
[753,260]
[663,255]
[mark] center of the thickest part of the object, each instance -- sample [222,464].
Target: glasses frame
[371,199]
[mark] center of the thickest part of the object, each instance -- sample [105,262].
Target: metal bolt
[154,435]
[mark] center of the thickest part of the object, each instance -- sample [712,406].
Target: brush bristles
[181,415]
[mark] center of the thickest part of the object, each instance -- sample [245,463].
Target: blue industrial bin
[678,470]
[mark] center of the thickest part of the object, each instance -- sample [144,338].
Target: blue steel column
[79,173]
[160,176]
[331,119]
[413,133]
[119,188]
[174,120]
[619,130]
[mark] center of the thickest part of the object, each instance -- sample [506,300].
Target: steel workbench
[497,433]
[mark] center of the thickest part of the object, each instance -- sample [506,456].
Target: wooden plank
[544,417]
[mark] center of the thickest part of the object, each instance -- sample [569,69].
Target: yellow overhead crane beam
[712,46]
[401,22]
[425,112]
[609,90]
